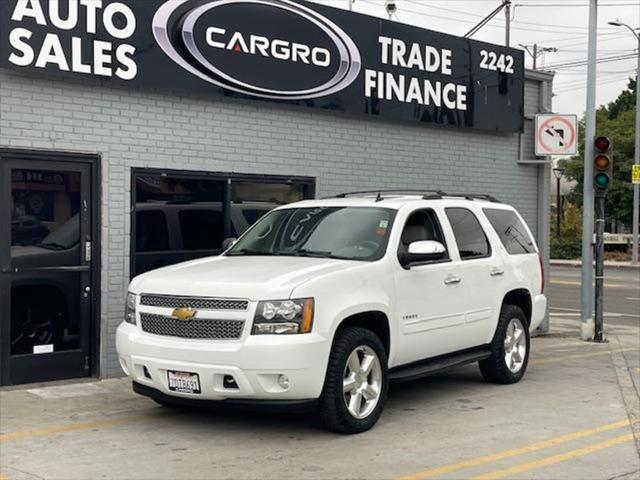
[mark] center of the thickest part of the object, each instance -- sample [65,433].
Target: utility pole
[537,52]
[507,15]
[636,187]
[587,326]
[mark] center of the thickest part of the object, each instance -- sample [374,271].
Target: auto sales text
[80,54]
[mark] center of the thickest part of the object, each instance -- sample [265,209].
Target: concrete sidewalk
[578,264]
[573,416]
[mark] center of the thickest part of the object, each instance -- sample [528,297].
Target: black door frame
[308,184]
[93,161]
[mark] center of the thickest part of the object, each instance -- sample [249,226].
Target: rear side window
[471,240]
[511,230]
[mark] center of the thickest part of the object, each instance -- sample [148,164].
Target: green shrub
[569,244]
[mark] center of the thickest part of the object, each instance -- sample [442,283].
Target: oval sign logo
[274,49]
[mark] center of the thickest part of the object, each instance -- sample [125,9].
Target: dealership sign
[278,50]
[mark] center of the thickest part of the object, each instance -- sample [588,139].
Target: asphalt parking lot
[575,415]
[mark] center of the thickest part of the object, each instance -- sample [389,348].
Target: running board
[438,364]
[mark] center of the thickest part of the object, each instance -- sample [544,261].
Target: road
[621,295]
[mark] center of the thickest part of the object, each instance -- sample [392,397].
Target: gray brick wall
[131,128]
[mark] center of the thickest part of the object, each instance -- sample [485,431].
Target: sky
[561,24]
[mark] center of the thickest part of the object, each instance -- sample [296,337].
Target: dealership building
[138,134]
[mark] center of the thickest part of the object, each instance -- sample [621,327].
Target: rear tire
[356,383]
[509,348]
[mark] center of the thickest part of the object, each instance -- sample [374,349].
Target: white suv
[329,300]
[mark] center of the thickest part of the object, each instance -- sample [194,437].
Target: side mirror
[227,243]
[422,251]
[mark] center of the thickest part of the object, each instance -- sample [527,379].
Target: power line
[570,88]
[581,63]
[521,22]
[577,5]
[560,29]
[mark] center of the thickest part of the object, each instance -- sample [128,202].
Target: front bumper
[255,363]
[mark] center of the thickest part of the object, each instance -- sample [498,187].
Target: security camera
[391,7]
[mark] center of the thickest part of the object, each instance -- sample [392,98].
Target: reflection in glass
[180,219]
[45,312]
[45,232]
[45,218]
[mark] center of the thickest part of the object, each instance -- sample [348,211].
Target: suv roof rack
[426,194]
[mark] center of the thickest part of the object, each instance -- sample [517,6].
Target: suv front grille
[202,303]
[202,328]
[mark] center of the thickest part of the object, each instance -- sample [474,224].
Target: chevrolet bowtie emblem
[184,313]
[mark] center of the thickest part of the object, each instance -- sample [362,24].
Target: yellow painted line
[3,477]
[578,355]
[577,284]
[5,437]
[545,462]
[494,457]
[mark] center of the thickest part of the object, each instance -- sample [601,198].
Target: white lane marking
[632,298]
[609,314]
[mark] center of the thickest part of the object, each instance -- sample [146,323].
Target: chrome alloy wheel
[362,381]
[515,345]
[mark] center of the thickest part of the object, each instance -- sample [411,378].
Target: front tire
[356,384]
[509,348]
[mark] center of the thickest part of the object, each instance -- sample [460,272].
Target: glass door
[45,254]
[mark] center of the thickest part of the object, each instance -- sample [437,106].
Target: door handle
[452,280]
[495,272]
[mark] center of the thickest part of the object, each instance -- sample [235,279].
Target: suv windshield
[353,233]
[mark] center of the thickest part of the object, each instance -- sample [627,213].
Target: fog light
[283,380]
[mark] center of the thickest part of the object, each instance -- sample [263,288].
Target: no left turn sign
[556,134]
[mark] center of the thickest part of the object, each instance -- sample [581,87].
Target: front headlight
[283,317]
[130,309]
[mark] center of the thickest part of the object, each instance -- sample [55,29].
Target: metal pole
[507,14]
[535,56]
[558,208]
[599,323]
[586,297]
[636,187]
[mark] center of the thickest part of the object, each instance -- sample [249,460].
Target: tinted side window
[510,229]
[201,229]
[152,234]
[471,240]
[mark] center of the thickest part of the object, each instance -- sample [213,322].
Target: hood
[251,277]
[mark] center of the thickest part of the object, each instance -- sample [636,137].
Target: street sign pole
[586,297]
[599,294]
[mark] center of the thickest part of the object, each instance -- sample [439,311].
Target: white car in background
[326,301]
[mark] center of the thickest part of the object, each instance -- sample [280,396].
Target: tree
[616,121]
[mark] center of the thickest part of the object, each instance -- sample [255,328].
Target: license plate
[183,382]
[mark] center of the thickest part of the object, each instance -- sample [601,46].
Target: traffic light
[602,164]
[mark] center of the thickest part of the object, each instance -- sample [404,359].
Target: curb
[578,264]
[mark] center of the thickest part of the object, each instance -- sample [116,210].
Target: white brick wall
[134,128]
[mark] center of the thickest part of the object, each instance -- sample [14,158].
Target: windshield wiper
[249,251]
[303,252]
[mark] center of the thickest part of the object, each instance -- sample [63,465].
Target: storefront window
[181,217]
